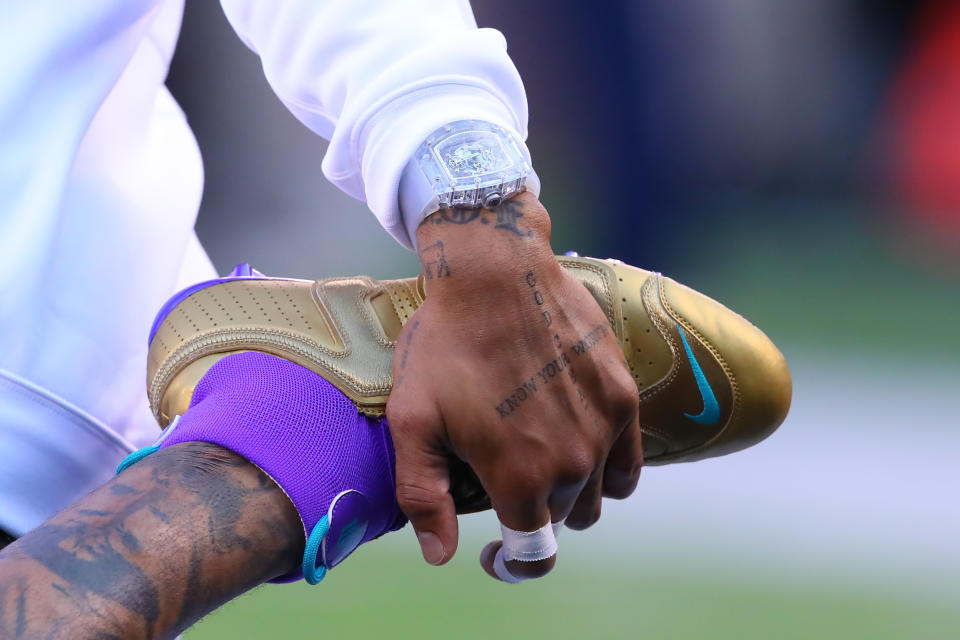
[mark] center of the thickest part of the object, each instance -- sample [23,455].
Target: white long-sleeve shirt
[101,178]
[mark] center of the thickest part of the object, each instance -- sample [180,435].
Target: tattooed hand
[510,366]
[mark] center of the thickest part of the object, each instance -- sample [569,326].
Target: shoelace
[311,572]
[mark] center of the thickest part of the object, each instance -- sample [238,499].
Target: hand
[511,366]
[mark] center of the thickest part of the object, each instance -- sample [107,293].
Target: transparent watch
[472,163]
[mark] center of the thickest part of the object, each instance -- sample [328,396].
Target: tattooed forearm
[173,537]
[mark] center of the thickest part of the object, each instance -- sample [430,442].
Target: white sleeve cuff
[376,77]
[393,138]
[372,145]
[418,199]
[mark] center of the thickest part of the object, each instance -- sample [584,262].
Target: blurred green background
[759,152]
[382,593]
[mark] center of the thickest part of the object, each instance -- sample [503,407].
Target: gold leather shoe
[710,382]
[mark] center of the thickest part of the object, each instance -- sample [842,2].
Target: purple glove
[336,465]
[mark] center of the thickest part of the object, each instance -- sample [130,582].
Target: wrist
[472,245]
[466,163]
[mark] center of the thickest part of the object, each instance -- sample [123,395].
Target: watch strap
[458,165]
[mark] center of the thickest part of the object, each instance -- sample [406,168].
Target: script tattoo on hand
[563,361]
[460,215]
[506,217]
[531,280]
[549,370]
[173,537]
[434,261]
[405,353]
[508,213]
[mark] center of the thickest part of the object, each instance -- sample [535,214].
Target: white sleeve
[60,62]
[376,77]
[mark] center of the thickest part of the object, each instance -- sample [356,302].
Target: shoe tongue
[244,270]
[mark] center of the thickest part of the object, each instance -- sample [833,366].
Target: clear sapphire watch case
[471,163]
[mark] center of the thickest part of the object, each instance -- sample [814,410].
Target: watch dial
[472,153]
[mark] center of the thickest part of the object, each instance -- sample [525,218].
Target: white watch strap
[418,198]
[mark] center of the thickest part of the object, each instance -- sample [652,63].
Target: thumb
[423,492]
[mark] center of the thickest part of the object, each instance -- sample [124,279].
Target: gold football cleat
[710,382]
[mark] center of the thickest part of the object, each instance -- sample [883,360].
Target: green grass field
[384,591]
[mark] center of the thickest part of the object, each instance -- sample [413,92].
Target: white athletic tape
[501,571]
[523,538]
[529,546]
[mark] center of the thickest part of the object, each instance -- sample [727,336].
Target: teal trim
[136,456]
[311,572]
[711,408]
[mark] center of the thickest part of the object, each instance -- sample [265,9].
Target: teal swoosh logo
[711,408]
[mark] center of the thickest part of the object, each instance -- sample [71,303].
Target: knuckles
[577,467]
[620,485]
[525,481]
[536,474]
[623,397]
[403,417]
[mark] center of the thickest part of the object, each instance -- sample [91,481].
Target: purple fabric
[307,436]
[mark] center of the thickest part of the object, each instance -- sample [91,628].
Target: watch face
[472,153]
[471,163]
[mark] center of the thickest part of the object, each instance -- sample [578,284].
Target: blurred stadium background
[797,160]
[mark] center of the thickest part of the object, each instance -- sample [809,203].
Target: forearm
[167,541]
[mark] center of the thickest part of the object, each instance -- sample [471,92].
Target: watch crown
[492,200]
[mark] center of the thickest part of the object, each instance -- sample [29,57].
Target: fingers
[487,557]
[617,479]
[586,510]
[621,473]
[528,548]
[521,556]
[423,487]
[527,555]
[491,559]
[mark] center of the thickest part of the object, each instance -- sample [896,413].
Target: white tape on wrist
[525,546]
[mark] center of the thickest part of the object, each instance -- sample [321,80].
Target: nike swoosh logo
[711,408]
